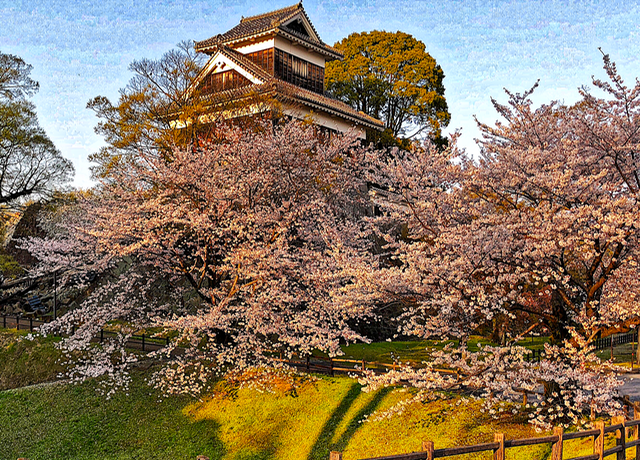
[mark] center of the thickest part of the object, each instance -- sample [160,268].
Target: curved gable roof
[273,22]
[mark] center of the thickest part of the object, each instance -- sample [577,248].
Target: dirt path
[37,385]
[631,386]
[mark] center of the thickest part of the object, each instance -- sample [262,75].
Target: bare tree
[30,164]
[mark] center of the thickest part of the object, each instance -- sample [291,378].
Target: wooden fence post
[308,363]
[335,455]
[598,440]
[427,446]
[524,399]
[611,343]
[621,437]
[556,449]
[626,407]
[498,454]
[142,342]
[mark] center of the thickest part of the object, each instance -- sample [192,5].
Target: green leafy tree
[30,164]
[390,76]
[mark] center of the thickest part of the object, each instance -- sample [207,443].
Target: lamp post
[55,294]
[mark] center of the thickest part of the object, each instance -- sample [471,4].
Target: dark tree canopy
[390,76]
[15,82]
[30,164]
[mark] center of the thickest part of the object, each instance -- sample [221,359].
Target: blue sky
[82,49]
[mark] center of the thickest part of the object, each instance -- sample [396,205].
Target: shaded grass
[24,362]
[76,422]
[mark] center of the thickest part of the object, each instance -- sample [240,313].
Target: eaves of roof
[326,104]
[285,91]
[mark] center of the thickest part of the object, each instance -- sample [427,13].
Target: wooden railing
[626,437]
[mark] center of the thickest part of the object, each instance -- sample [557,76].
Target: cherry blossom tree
[550,210]
[263,242]
[238,246]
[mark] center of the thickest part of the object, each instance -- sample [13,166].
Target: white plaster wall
[258,46]
[300,51]
[324,119]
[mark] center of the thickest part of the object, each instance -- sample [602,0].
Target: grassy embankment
[75,422]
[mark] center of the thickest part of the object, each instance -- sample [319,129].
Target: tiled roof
[265,24]
[311,98]
[246,64]
[283,90]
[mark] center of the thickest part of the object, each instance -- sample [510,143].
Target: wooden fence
[626,437]
[334,366]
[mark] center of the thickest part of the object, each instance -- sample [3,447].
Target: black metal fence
[534,356]
[143,342]
[148,343]
[617,339]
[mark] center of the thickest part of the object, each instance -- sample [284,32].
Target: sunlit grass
[328,415]
[418,351]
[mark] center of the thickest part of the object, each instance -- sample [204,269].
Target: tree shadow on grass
[324,444]
[77,422]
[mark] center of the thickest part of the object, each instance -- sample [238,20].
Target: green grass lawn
[72,422]
[25,363]
[75,422]
[418,351]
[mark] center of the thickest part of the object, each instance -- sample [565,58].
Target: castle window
[263,58]
[223,81]
[299,72]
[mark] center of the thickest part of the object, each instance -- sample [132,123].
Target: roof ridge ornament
[269,13]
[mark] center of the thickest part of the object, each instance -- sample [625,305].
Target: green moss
[9,267]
